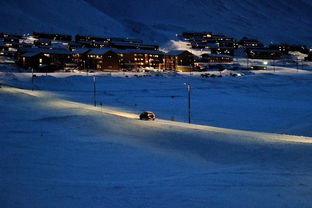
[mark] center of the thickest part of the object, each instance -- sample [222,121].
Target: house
[38,58]
[179,60]
[283,48]
[3,47]
[42,42]
[90,44]
[132,45]
[263,53]
[103,59]
[309,57]
[52,36]
[33,60]
[222,50]
[6,35]
[135,58]
[88,38]
[249,43]
[11,39]
[79,57]
[13,54]
[300,48]
[196,35]
[74,45]
[216,58]
[228,42]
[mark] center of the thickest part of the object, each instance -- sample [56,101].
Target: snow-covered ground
[58,150]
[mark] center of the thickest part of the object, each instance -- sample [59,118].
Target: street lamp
[32,79]
[189,100]
[94,90]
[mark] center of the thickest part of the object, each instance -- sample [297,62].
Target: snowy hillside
[159,20]
[70,16]
[58,150]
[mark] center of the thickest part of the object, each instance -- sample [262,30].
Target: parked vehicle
[147,115]
[256,67]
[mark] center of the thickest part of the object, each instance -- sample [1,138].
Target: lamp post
[247,62]
[32,79]
[274,64]
[189,100]
[94,90]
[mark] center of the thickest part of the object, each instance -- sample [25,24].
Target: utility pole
[32,79]
[247,62]
[189,100]
[94,90]
[274,64]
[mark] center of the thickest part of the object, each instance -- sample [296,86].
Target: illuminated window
[40,60]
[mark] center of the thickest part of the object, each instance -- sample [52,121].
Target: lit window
[40,60]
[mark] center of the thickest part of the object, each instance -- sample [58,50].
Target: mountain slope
[71,16]
[267,20]
[158,21]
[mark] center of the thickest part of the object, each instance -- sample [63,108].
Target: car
[147,115]
[256,67]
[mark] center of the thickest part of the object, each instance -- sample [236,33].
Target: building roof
[46,50]
[132,44]
[138,51]
[176,52]
[81,51]
[8,52]
[217,55]
[43,40]
[100,51]
[30,54]
[263,50]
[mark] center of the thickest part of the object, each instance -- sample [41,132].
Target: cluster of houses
[50,52]
[218,48]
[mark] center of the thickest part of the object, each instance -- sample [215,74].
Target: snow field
[58,150]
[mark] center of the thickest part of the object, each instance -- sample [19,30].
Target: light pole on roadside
[274,65]
[94,90]
[189,100]
[32,79]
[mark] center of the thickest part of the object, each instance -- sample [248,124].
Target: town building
[180,60]
[52,36]
[134,58]
[103,59]
[263,53]
[216,58]
[249,43]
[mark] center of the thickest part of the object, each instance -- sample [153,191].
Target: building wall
[107,61]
